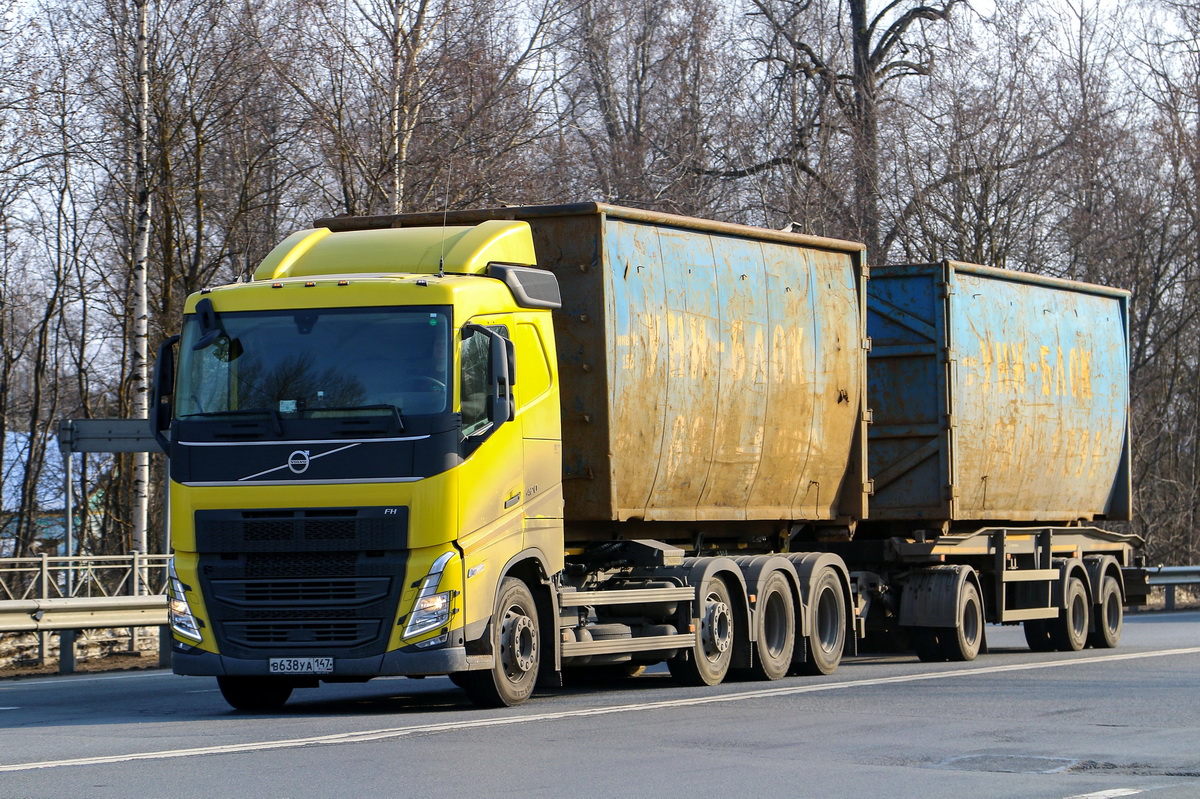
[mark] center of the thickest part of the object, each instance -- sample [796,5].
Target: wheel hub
[716,629]
[518,644]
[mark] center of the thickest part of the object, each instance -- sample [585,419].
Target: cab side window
[475,351]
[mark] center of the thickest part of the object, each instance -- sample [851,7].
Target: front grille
[291,615]
[300,529]
[293,582]
[253,634]
[301,564]
[306,592]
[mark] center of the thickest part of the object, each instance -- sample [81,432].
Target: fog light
[441,639]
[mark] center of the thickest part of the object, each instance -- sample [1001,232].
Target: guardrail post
[136,581]
[44,637]
[1170,597]
[164,646]
[66,651]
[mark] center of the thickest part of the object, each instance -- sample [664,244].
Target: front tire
[517,649]
[254,693]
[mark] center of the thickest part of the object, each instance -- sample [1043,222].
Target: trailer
[514,445]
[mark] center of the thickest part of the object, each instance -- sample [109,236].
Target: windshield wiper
[392,411]
[275,416]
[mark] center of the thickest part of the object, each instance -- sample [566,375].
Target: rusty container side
[997,396]
[737,374]
[709,372]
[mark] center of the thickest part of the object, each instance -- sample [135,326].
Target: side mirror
[501,374]
[500,406]
[162,386]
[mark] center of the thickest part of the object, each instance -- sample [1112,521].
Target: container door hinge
[866,343]
[868,416]
[949,421]
[947,290]
[869,488]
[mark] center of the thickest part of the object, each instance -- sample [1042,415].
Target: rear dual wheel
[1069,631]
[776,618]
[827,631]
[959,643]
[1110,620]
[707,662]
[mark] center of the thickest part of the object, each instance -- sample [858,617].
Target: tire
[1069,631]
[1110,615]
[588,676]
[927,643]
[255,693]
[707,662]
[776,622]
[827,628]
[517,648]
[1037,635]
[966,639]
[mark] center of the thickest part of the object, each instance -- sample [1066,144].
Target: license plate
[300,665]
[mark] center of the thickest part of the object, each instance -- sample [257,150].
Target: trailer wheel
[1110,615]
[707,662]
[927,643]
[255,693]
[827,630]
[1070,630]
[1037,635]
[517,649]
[776,619]
[964,641]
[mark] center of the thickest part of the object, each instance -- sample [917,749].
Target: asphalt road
[1094,724]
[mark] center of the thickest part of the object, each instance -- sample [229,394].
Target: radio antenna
[445,214]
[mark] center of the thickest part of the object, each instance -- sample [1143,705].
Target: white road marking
[367,736]
[10,708]
[72,681]
[1111,793]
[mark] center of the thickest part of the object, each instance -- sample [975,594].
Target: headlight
[428,612]
[178,612]
[432,608]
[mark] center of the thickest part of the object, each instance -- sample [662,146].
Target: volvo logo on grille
[298,461]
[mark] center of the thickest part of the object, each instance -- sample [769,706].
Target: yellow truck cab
[368,425]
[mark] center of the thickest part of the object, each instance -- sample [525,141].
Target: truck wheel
[254,693]
[927,643]
[776,619]
[827,631]
[1069,631]
[1110,616]
[516,647]
[964,641]
[1037,635]
[707,662]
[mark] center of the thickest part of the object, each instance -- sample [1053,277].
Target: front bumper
[197,662]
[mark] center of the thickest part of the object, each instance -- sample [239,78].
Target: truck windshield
[316,363]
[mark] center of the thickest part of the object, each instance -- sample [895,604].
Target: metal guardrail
[82,613]
[68,594]
[53,577]
[1170,577]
